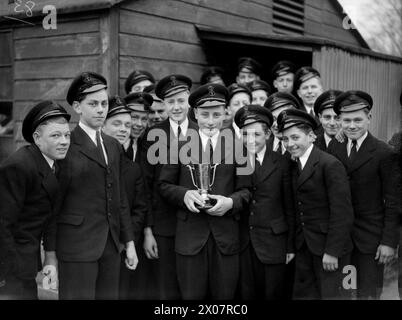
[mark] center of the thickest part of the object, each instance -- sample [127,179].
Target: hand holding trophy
[203,177]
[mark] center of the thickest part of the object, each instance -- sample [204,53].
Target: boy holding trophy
[207,240]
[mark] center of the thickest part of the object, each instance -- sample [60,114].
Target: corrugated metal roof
[22,8]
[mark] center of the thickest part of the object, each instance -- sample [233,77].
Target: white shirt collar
[309,109]
[48,160]
[275,146]
[359,142]
[89,131]
[204,139]
[237,130]
[303,159]
[175,126]
[327,139]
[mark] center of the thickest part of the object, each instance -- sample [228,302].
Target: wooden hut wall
[45,61]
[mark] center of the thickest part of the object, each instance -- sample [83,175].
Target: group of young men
[214,193]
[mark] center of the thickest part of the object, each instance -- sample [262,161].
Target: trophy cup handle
[213,174]
[192,176]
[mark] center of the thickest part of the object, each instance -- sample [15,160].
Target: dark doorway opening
[226,54]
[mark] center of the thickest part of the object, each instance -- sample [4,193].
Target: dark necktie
[209,148]
[311,112]
[299,166]
[353,151]
[279,148]
[99,147]
[54,168]
[178,133]
[257,165]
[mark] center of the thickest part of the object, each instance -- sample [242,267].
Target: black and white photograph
[199,158]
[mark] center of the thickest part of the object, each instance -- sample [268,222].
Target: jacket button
[302,223]
[109,185]
[301,213]
[109,215]
[299,203]
[254,202]
[251,213]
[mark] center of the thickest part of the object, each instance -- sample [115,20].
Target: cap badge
[211,91]
[87,78]
[173,81]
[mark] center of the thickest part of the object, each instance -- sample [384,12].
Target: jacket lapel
[86,145]
[49,181]
[364,154]
[268,166]
[308,169]
[108,146]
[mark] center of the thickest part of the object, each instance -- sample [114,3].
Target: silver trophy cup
[203,177]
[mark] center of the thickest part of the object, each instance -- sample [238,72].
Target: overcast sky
[379,22]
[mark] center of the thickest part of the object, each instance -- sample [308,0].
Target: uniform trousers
[370,275]
[260,280]
[13,288]
[154,279]
[312,282]
[91,280]
[208,274]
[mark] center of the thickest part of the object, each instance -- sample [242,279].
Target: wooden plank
[313,13]
[181,11]
[131,45]
[314,3]
[63,28]
[63,46]
[158,27]
[5,48]
[159,68]
[264,3]
[41,89]
[240,8]
[322,30]
[21,108]
[109,57]
[6,83]
[63,68]
[333,19]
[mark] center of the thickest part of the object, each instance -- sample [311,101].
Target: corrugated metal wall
[343,70]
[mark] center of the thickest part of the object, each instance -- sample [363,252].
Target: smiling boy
[207,240]
[324,213]
[372,167]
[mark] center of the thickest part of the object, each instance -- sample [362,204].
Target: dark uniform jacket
[270,220]
[270,146]
[136,195]
[193,229]
[28,188]
[373,179]
[162,216]
[324,213]
[320,142]
[93,200]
